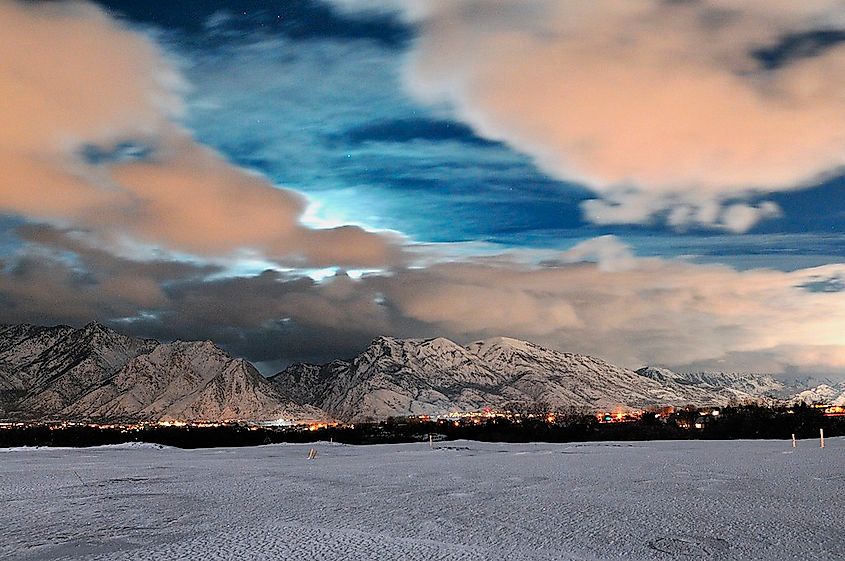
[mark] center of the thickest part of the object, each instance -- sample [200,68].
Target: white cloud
[659,107]
[741,217]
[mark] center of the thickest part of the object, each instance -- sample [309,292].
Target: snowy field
[463,501]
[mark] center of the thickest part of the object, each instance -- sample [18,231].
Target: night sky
[652,182]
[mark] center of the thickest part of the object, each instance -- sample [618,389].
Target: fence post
[794,443]
[821,437]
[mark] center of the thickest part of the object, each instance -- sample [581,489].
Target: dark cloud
[106,264]
[122,151]
[597,298]
[830,284]
[272,316]
[796,46]
[59,279]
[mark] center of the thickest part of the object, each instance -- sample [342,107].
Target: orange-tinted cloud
[657,106]
[71,78]
[597,298]
[634,310]
[74,80]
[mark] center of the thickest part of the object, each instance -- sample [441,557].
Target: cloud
[597,298]
[655,105]
[741,217]
[91,145]
[90,140]
[651,311]
[608,252]
[56,278]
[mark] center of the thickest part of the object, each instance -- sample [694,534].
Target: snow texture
[397,377]
[97,373]
[461,501]
[823,393]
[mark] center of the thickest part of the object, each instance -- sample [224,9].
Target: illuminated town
[693,419]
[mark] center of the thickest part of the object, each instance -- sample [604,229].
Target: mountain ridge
[436,376]
[95,373]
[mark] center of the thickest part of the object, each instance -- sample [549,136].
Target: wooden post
[821,437]
[794,443]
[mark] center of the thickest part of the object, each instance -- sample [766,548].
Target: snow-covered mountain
[97,373]
[396,377]
[47,369]
[188,380]
[727,386]
[823,393]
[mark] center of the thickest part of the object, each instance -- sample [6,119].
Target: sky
[657,182]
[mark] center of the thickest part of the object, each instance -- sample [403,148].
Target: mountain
[727,386]
[188,380]
[399,377]
[46,369]
[822,393]
[97,373]
[396,377]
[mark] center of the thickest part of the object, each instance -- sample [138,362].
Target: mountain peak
[385,341]
[412,347]
[437,376]
[506,350]
[95,372]
[440,342]
[822,393]
[94,329]
[196,346]
[480,347]
[657,373]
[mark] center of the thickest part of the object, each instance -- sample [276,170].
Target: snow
[94,372]
[822,394]
[493,344]
[463,500]
[399,377]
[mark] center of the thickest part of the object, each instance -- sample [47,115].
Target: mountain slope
[188,381]
[52,367]
[822,393]
[96,373]
[558,378]
[397,377]
[717,386]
